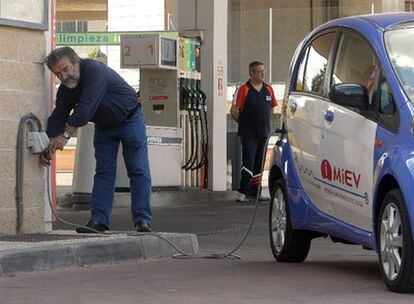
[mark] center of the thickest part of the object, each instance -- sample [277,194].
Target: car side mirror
[350,95]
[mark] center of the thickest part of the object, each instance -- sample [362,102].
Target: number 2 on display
[127,51]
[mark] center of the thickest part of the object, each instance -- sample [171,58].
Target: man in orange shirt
[255,100]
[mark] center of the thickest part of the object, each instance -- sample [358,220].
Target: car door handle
[329,116]
[293,107]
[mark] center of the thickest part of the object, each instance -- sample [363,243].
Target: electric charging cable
[181,253]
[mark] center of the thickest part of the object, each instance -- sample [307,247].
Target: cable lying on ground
[181,254]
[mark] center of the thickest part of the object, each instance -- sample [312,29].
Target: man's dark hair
[253,65]
[59,53]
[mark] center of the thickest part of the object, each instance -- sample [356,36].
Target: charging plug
[47,154]
[37,141]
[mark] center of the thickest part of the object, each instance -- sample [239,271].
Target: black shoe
[143,226]
[93,225]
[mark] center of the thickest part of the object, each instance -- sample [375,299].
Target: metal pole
[270,43]
[372,8]
[311,14]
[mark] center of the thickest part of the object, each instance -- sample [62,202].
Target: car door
[348,137]
[304,109]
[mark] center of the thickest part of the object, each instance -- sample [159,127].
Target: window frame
[44,26]
[304,57]
[305,51]
[60,26]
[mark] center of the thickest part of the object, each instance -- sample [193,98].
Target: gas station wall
[23,86]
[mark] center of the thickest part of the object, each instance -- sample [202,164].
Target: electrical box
[159,97]
[149,51]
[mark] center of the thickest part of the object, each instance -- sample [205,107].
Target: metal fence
[272,35]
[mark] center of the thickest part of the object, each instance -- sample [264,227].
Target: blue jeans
[132,135]
[252,156]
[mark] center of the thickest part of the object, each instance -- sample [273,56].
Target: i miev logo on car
[341,175]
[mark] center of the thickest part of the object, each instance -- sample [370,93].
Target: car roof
[388,20]
[383,21]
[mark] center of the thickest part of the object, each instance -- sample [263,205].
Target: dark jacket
[102,96]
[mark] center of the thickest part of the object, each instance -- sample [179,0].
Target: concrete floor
[333,273]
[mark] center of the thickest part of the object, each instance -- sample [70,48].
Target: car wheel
[395,243]
[287,244]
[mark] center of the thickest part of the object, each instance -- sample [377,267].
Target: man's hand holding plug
[57,143]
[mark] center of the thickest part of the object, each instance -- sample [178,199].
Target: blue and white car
[344,166]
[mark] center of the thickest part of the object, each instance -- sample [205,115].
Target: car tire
[287,244]
[395,243]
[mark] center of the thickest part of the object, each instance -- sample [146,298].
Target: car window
[355,62]
[388,114]
[400,49]
[386,100]
[317,63]
[301,71]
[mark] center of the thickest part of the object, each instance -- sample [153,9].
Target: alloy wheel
[278,220]
[391,241]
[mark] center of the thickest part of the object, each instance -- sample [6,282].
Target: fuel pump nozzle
[189,102]
[197,101]
[204,125]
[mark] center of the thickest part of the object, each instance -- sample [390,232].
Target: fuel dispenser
[194,122]
[193,117]
[174,107]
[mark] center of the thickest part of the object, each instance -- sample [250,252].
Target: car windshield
[400,48]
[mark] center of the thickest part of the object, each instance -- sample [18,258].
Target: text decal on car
[340,175]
